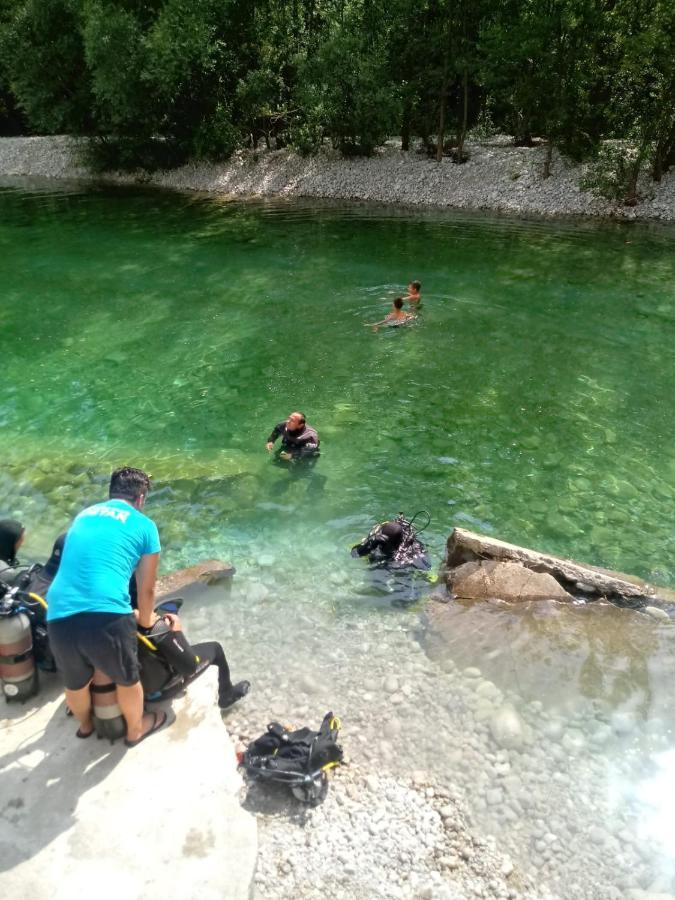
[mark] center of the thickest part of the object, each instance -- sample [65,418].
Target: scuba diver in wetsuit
[397,557]
[12,534]
[298,439]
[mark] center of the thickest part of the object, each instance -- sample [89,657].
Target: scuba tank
[32,589]
[18,674]
[106,715]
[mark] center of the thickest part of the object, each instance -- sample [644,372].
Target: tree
[642,81]
[45,65]
[540,60]
[343,84]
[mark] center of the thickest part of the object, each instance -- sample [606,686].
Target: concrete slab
[87,819]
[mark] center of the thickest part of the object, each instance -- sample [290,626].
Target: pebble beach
[497,177]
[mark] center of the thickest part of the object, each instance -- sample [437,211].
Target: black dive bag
[299,759]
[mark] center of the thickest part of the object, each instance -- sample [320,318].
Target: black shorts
[88,641]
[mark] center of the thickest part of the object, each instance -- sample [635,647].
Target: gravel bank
[497,177]
[379,838]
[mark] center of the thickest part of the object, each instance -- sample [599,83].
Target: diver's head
[132,485]
[382,541]
[296,421]
[393,532]
[12,534]
[398,303]
[51,567]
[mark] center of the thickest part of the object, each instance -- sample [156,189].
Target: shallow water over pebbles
[530,402]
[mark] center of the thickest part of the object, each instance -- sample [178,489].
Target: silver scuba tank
[18,673]
[106,714]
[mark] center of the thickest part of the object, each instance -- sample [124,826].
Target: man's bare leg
[79,703]
[130,701]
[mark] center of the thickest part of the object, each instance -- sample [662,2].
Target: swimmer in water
[397,316]
[414,296]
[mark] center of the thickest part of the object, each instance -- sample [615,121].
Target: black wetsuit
[301,443]
[395,545]
[189,660]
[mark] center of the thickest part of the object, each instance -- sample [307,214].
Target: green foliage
[216,136]
[609,176]
[41,45]
[306,137]
[344,86]
[114,51]
[540,63]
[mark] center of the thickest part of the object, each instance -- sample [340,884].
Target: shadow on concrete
[51,687]
[43,778]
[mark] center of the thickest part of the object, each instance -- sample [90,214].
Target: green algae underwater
[532,399]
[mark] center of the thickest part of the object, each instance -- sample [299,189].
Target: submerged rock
[656,612]
[506,728]
[488,580]
[209,571]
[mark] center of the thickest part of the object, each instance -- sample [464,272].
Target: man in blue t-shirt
[89,618]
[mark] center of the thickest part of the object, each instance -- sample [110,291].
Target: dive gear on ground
[299,759]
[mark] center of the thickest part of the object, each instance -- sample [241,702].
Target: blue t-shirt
[102,549]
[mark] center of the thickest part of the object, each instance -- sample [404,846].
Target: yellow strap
[335,723]
[38,599]
[330,765]
[142,638]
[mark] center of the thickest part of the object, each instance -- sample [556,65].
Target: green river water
[532,401]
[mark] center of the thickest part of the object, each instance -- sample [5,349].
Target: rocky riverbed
[537,736]
[498,177]
[459,783]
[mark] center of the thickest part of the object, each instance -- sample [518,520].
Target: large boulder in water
[208,571]
[490,580]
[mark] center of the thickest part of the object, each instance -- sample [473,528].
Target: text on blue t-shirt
[102,549]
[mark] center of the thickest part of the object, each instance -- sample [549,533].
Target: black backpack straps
[277,730]
[330,727]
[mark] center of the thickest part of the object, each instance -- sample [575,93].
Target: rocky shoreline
[498,177]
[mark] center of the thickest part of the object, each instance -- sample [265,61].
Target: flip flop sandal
[160,720]
[84,734]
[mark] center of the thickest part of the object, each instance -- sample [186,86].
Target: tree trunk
[631,197]
[548,158]
[405,126]
[465,117]
[440,140]
[466,546]
[663,157]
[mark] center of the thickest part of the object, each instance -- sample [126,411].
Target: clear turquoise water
[531,401]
